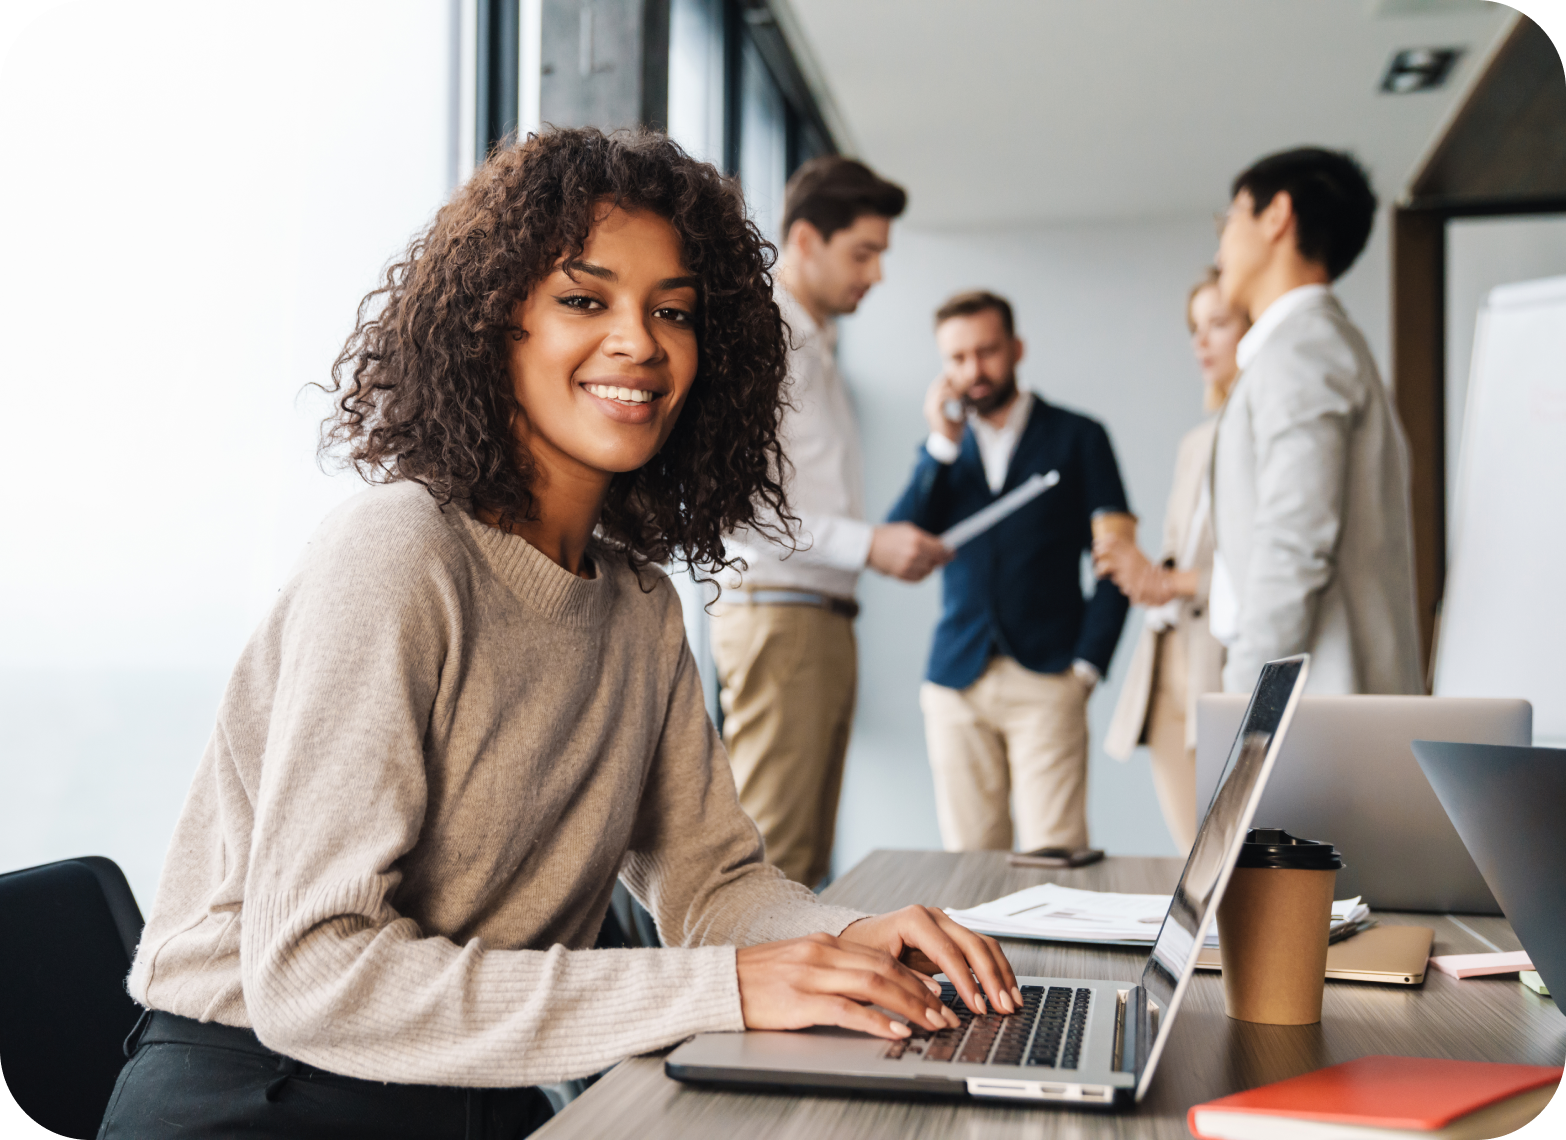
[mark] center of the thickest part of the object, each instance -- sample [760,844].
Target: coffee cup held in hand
[1112,524]
[1273,925]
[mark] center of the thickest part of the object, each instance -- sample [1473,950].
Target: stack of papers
[1349,917]
[1064,914]
[1054,913]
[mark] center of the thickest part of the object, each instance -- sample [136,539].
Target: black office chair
[68,932]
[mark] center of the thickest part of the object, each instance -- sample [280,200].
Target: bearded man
[1019,649]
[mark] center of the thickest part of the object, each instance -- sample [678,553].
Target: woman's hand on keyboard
[926,938]
[822,980]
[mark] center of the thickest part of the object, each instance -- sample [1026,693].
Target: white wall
[1101,308]
[189,229]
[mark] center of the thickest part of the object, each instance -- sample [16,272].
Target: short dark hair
[833,192]
[1334,206]
[973,302]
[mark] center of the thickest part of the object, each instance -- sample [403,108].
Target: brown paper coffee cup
[1120,524]
[1272,936]
[1273,925]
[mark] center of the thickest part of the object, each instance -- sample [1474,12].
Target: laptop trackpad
[821,1048]
[809,1043]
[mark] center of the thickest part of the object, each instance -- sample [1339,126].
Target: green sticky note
[1531,979]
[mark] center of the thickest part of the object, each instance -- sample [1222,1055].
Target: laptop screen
[1217,847]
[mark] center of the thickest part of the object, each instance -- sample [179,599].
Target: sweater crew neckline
[539,580]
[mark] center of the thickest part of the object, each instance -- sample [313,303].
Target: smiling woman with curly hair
[472,706]
[421,402]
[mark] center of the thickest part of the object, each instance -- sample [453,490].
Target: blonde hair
[1209,281]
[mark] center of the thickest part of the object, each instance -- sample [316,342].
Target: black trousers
[196,1080]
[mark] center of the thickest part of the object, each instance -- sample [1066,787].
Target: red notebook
[1420,1096]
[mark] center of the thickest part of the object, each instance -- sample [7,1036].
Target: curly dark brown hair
[423,391]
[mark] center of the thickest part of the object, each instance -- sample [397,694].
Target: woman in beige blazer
[1176,657]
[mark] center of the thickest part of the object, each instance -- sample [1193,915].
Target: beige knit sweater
[431,762]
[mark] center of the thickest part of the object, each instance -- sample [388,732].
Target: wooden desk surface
[1207,1056]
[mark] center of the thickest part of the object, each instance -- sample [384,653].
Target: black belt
[156,1027]
[843,607]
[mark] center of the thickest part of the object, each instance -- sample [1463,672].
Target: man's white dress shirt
[996,444]
[825,485]
[1223,600]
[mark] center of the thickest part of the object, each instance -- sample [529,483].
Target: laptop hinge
[1133,1035]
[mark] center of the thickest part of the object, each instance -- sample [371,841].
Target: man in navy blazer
[1018,649]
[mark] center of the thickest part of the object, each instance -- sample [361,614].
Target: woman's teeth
[624,395]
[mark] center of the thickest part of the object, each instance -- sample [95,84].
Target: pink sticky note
[1478,965]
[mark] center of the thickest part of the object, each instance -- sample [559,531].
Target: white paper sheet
[1022,494]
[1051,912]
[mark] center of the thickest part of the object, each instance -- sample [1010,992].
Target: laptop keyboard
[1047,1031]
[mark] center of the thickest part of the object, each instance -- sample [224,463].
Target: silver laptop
[1507,803]
[1347,776]
[1077,1042]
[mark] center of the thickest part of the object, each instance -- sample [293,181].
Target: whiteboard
[1503,620]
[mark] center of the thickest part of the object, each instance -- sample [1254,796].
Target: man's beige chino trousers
[788,674]
[1013,743]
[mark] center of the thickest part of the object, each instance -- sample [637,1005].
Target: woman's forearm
[1148,584]
[1182,583]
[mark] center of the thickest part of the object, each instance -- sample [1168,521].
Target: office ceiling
[1051,111]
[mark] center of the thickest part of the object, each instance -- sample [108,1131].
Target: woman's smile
[622,395]
[627,402]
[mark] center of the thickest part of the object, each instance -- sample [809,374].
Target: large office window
[763,151]
[192,220]
[697,77]
[192,217]
[737,99]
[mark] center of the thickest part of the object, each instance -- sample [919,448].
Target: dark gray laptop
[1348,777]
[1508,804]
[1076,1042]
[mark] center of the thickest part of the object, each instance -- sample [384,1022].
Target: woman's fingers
[963,955]
[924,991]
[780,983]
[936,944]
[873,987]
[821,980]
[934,951]
[987,958]
[848,1014]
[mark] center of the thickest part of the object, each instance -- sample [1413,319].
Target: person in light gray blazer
[1310,475]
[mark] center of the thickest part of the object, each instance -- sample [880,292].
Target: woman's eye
[678,316]
[583,303]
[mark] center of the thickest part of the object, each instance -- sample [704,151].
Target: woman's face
[1215,334]
[607,353]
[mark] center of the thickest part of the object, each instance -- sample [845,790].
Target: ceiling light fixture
[1419,69]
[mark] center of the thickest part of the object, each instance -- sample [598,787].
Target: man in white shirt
[782,633]
[1310,483]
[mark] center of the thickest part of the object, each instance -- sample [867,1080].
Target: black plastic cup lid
[1272,847]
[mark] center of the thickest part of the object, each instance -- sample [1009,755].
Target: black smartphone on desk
[1055,857]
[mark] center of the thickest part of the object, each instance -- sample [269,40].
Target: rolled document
[976,524]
